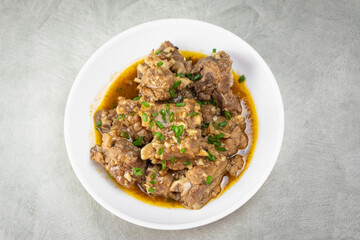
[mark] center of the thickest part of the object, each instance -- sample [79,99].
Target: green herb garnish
[153,182]
[111,176]
[153,176]
[204,125]
[181,104]
[196,77]
[159,63]
[154,114]
[138,141]
[221,149]
[98,124]
[242,78]
[172,93]
[173,159]
[220,135]
[151,123]
[171,117]
[145,117]
[160,151]
[151,190]
[183,150]
[211,157]
[159,136]
[163,164]
[121,116]
[159,124]
[125,135]
[214,50]
[158,51]
[208,180]
[227,115]
[193,114]
[177,83]
[180,75]
[187,163]
[137,98]
[138,171]
[145,104]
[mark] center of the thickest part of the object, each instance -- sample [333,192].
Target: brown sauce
[125,86]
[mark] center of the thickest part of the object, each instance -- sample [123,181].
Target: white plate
[130,45]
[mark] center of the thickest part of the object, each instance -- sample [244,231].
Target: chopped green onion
[196,77]
[163,114]
[180,75]
[173,159]
[151,190]
[217,143]
[153,182]
[154,114]
[221,149]
[151,123]
[121,116]
[172,93]
[171,117]
[183,150]
[153,176]
[214,50]
[161,150]
[159,124]
[181,104]
[159,63]
[227,115]
[178,140]
[187,163]
[145,104]
[242,78]
[158,51]
[163,164]
[125,135]
[98,124]
[220,135]
[193,114]
[137,98]
[211,157]
[176,84]
[138,141]
[111,176]
[204,125]
[222,124]
[177,129]
[159,136]
[138,171]
[167,108]
[208,180]
[132,113]
[213,102]
[190,76]
[145,117]
[216,125]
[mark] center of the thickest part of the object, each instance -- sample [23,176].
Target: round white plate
[132,44]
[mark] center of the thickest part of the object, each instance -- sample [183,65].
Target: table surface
[313,49]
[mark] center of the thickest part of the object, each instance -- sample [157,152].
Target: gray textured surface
[313,49]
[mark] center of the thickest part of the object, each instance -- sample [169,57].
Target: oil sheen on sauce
[125,86]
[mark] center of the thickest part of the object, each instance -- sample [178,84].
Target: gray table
[313,49]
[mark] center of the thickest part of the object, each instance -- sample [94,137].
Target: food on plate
[185,133]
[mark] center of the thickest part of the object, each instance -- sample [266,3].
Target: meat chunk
[122,161]
[104,119]
[201,183]
[236,166]
[216,80]
[128,121]
[234,137]
[157,183]
[158,74]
